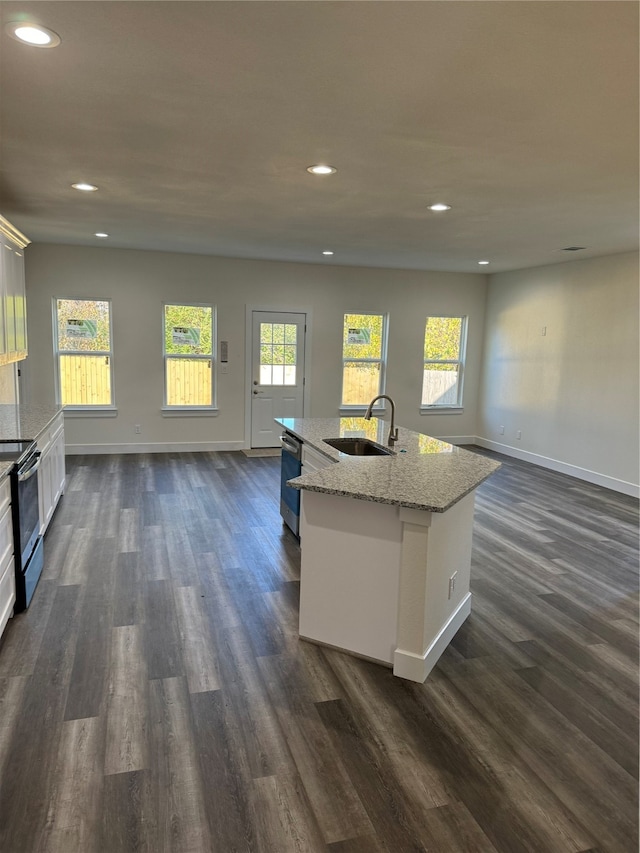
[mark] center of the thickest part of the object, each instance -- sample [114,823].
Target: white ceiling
[197,121]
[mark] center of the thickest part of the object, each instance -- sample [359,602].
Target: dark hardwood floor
[155,696]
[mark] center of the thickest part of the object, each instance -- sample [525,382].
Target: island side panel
[350,573]
[435,545]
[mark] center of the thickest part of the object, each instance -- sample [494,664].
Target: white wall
[139,282]
[573,393]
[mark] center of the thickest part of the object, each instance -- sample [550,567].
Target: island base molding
[416,667]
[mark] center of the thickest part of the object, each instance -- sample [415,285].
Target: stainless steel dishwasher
[291,467]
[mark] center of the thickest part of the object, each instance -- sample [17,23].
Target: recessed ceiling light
[327,252]
[101,234]
[321,170]
[85,188]
[32,34]
[484,262]
[439,207]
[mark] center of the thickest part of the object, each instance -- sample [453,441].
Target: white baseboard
[594,477]
[457,439]
[159,447]
[417,667]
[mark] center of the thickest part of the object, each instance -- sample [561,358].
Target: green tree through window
[188,355]
[363,354]
[444,340]
[84,361]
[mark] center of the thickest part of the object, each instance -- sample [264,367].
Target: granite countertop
[423,473]
[24,423]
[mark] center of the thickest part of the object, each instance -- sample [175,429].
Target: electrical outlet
[137,429]
[501,429]
[519,434]
[543,331]
[452,583]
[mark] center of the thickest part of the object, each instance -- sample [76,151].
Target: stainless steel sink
[358,447]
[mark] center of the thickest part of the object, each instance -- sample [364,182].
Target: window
[444,344]
[84,357]
[188,356]
[278,353]
[364,350]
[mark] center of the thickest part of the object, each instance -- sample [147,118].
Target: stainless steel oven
[25,507]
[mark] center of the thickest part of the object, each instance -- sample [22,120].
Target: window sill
[90,411]
[441,410]
[189,412]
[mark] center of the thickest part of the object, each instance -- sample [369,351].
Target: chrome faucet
[393,431]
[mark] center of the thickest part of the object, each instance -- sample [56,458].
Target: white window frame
[212,408]
[88,408]
[460,362]
[382,361]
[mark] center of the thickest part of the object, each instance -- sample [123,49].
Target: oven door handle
[31,470]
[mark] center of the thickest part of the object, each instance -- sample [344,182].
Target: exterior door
[277,373]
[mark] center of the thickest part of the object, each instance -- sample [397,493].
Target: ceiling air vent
[574,248]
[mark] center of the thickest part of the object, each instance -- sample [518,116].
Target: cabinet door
[6,250]
[312,460]
[13,329]
[7,574]
[20,304]
[7,593]
[58,468]
[13,312]
[44,490]
[51,476]
[16,316]
[10,300]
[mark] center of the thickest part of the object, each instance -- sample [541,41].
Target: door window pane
[278,353]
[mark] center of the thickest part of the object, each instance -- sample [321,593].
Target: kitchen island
[386,542]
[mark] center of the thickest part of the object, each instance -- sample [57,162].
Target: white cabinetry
[7,573]
[13,310]
[51,476]
[312,460]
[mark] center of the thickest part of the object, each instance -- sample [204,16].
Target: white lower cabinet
[312,460]
[7,573]
[51,476]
